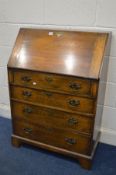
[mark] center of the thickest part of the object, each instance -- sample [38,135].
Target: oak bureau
[54,83]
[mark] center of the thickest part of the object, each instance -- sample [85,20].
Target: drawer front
[65,102]
[56,137]
[50,117]
[53,82]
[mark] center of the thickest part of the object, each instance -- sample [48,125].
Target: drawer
[57,100]
[49,117]
[56,137]
[53,82]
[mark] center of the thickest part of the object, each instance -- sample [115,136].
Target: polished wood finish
[54,79]
[63,138]
[59,101]
[70,53]
[51,117]
[47,81]
[85,163]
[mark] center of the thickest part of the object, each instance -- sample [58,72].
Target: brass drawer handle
[27,93]
[72,121]
[70,141]
[48,79]
[49,94]
[74,102]
[27,110]
[28,130]
[75,86]
[26,78]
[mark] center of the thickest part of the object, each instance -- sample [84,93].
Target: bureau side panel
[101,90]
[10,81]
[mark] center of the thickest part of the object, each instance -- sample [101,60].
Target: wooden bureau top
[62,52]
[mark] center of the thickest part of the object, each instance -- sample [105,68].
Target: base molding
[84,160]
[5,111]
[57,149]
[108,136]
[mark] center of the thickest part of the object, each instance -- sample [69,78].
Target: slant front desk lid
[61,52]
